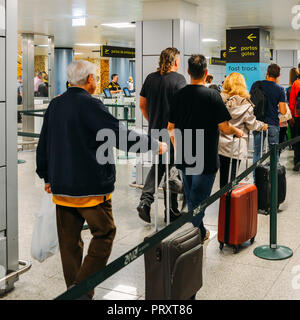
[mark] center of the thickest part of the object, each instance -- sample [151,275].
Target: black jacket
[66,153]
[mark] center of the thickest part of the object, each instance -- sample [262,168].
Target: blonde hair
[235,85]
[167,60]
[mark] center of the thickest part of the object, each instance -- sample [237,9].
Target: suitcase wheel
[221,245]
[252,240]
[235,249]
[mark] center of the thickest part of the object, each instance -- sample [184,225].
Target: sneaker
[206,236]
[144,212]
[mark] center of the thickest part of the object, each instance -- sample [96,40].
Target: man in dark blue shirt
[276,103]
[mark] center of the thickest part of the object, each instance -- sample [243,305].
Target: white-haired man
[81,186]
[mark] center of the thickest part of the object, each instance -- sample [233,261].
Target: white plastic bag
[44,237]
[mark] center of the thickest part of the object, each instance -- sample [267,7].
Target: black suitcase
[262,177]
[173,268]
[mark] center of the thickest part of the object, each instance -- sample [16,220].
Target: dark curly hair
[167,59]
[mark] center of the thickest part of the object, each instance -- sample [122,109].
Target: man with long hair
[155,98]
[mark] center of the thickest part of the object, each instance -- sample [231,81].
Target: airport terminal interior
[124,40]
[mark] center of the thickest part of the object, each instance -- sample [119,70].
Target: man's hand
[265,127]
[48,188]
[163,147]
[292,122]
[239,133]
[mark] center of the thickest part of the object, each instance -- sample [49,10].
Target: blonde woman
[237,99]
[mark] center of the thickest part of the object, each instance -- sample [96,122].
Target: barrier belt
[32,110]
[33,114]
[28,134]
[288,143]
[94,280]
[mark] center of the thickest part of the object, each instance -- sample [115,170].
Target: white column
[152,36]
[8,141]
[286,59]
[51,67]
[28,80]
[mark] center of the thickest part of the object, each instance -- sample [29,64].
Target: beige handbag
[287,116]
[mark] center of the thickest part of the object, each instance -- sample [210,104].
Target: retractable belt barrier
[28,134]
[94,280]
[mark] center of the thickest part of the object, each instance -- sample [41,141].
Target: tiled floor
[226,276]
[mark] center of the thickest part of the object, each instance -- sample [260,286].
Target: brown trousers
[69,225]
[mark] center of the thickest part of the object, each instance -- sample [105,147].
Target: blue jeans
[273,137]
[197,188]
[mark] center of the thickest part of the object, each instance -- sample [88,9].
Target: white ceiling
[54,17]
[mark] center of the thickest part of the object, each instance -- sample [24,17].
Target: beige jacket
[242,114]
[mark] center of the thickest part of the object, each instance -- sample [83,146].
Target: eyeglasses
[97,79]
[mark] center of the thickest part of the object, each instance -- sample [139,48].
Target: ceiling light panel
[209,40]
[88,44]
[119,25]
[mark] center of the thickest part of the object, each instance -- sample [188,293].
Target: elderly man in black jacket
[70,161]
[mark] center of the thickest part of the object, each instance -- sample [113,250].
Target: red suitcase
[238,216]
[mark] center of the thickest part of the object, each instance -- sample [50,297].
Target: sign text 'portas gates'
[248,45]
[117,52]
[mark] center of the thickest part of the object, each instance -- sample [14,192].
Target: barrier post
[273,251]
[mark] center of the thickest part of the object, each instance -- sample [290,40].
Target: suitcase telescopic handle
[167,190]
[231,157]
[262,143]
[156,191]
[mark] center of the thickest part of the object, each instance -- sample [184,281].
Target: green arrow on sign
[251,37]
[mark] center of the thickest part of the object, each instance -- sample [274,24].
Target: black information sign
[264,46]
[248,45]
[217,61]
[117,52]
[223,54]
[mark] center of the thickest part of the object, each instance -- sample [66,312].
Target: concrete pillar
[8,143]
[51,87]
[62,58]
[28,80]
[152,36]
[286,59]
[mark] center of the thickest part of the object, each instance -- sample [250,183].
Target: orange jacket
[294,91]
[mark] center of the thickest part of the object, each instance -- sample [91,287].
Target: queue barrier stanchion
[95,279]
[273,251]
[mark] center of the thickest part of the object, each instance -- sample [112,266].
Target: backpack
[298,104]
[260,101]
[288,93]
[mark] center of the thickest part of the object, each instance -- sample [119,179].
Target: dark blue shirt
[67,150]
[275,94]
